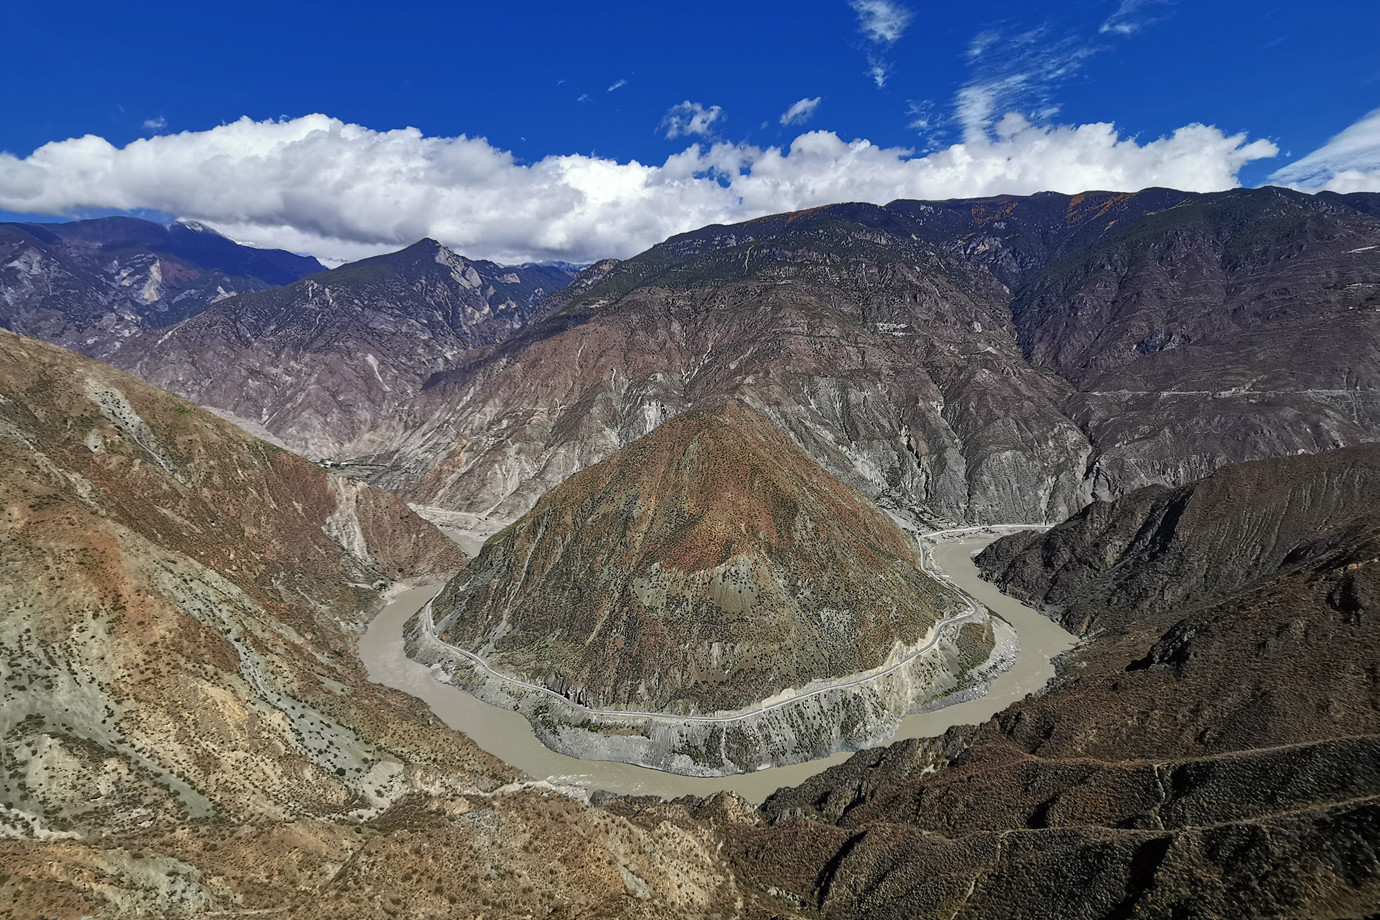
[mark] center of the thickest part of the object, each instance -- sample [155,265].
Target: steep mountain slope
[1161,548]
[1155,324]
[323,364]
[177,607]
[1228,327]
[709,565]
[880,355]
[1186,753]
[89,284]
[648,607]
[184,727]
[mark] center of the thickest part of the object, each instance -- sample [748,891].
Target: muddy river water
[508,736]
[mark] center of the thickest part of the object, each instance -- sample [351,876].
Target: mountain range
[89,284]
[689,483]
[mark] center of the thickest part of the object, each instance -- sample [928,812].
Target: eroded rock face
[323,365]
[890,362]
[998,360]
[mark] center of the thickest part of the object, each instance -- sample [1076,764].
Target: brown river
[507,735]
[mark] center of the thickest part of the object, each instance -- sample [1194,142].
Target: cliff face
[1190,746]
[709,565]
[1158,548]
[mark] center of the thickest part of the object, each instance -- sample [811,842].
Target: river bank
[507,734]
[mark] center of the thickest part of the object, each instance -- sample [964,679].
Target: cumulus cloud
[800,112]
[688,117]
[342,191]
[1349,162]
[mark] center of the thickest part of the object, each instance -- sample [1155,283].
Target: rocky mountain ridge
[325,363]
[90,284]
[939,357]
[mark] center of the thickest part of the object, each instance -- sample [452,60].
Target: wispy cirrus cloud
[688,117]
[881,23]
[618,84]
[1021,68]
[1349,162]
[800,112]
[278,183]
[1131,16]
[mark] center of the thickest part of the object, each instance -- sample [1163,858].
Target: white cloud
[879,70]
[1017,72]
[1349,162]
[155,124]
[688,117]
[881,21]
[800,112]
[921,115]
[342,191]
[584,97]
[618,85]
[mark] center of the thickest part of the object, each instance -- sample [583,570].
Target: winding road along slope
[946,556]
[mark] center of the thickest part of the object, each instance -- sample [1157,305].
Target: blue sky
[597,129]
